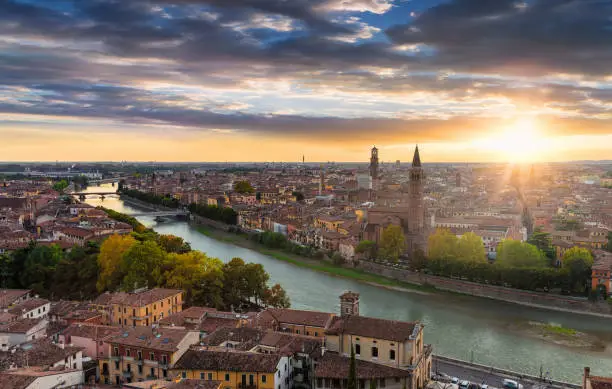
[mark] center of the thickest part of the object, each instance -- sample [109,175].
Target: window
[251,379]
[397,380]
[152,372]
[165,373]
[151,356]
[127,352]
[374,352]
[154,307]
[226,377]
[392,355]
[307,333]
[184,374]
[164,359]
[210,376]
[133,312]
[297,331]
[124,310]
[382,383]
[202,376]
[316,333]
[74,365]
[361,384]
[357,349]
[139,369]
[116,365]
[124,322]
[319,382]
[146,310]
[263,379]
[162,304]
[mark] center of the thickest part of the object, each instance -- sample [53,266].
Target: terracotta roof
[28,306]
[332,365]
[91,331]
[183,384]
[211,324]
[41,353]
[20,326]
[146,297]
[12,381]
[189,317]
[241,335]
[398,331]
[227,361]
[8,296]
[163,339]
[308,318]
[601,382]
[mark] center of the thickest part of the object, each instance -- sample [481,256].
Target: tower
[321,181]
[374,163]
[416,216]
[349,304]
[458,179]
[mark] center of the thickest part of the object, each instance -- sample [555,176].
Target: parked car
[464,385]
[483,386]
[511,384]
[455,380]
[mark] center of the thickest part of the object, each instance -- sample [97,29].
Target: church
[409,215]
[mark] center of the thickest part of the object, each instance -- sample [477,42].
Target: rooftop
[398,331]
[333,365]
[227,361]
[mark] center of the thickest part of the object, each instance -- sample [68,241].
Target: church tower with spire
[416,216]
[374,163]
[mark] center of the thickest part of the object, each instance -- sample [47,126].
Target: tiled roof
[12,381]
[162,339]
[227,361]
[211,324]
[308,318]
[398,331]
[41,353]
[601,382]
[28,305]
[241,335]
[8,296]
[183,384]
[91,331]
[20,326]
[332,365]
[148,296]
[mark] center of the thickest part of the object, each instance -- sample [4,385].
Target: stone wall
[544,300]
[210,223]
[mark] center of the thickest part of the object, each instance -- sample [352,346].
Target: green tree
[39,268]
[514,253]
[366,247]
[352,378]
[234,285]
[392,243]
[337,259]
[542,241]
[442,245]
[142,264]
[60,186]
[578,261]
[276,297]
[470,248]
[243,187]
[256,280]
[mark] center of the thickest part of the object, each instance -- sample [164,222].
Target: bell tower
[374,163]
[349,303]
[416,217]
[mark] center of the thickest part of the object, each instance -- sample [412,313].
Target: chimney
[349,304]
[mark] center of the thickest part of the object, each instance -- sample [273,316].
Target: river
[457,326]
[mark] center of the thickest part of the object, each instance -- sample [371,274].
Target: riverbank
[376,275]
[242,240]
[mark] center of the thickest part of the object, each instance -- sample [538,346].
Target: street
[480,376]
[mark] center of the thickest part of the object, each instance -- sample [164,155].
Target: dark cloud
[538,37]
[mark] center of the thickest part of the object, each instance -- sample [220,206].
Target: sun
[521,142]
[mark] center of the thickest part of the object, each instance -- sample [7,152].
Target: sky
[273,80]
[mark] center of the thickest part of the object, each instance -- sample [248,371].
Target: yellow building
[235,370]
[328,223]
[387,342]
[140,353]
[146,307]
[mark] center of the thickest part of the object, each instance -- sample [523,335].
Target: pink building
[92,338]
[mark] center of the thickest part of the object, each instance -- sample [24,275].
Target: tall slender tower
[321,180]
[374,163]
[416,217]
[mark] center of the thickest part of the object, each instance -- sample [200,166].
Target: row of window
[154,306]
[209,377]
[128,353]
[128,368]
[335,383]
[374,352]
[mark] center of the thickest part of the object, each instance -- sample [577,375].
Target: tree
[243,187]
[60,186]
[200,276]
[142,264]
[337,259]
[514,253]
[578,261]
[110,259]
[392,243]
[366,247]
[352,378]
[299,196]
[39,268]
[470,248]
[276,297]
[442,245]
[418,260]
[173,244]
[234,285]
[542,241]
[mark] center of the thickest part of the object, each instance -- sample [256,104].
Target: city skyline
[271,80]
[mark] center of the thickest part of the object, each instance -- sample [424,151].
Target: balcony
[151,362]
[115,357]
[127,374]
[139,361]
[247,386]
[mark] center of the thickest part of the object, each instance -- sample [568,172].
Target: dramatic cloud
[328,69]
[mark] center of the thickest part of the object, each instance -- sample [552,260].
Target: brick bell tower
[416,216]
[349,303]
